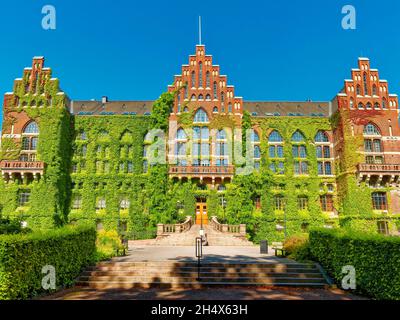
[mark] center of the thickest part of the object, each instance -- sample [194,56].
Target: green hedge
[376,260]
[22,257]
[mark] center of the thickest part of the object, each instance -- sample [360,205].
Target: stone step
[171,279]
[231,275]
[193,285]
[193,264]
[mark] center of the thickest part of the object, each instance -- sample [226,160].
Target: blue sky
[270,50]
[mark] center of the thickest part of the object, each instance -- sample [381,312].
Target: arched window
[181,134]
[215,90]
[200,116]
[368,105]
[321,136]
[201,97]
[221,134]
[200,74]
[193,97]
[371,130]
[297,137]
[254,137]
[215,110]
[351,103]
[208,97]
[32,128]
[185,109]
[377,106]
[29,140]
[193,80]
[360,106]
[208,79]
[358,90]
[275,137]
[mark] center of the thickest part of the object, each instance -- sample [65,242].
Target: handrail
[227,228]
[175,228]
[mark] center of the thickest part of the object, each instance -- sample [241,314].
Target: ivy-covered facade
[279,167]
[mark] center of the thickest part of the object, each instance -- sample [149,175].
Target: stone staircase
[214,237]
[126,275]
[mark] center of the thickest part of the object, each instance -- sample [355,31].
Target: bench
[279,250]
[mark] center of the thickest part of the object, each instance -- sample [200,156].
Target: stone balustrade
[175,228]
[227,228]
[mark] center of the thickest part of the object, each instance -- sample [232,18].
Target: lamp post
[223,203]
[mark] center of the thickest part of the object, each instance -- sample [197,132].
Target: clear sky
[270,50]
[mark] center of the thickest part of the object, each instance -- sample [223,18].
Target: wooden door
[201,213]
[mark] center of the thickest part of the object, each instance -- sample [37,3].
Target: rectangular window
[327,152]
[320,168]
[368,145]
[272,167]
[328,168]
[196,132]
[257,165]
[377,146]
[280,151]
[130,167]
[101,204]
[279,203]
[204,133]
[369,159]
[319,152]
[124,204]
[295,152]
[281,168]
[205,149]
[272,151]
[302,203]
[74,168]
[24,198]
[302,152]
[181,149]
[383,227]
[77,203]
[326,203]
[379,201]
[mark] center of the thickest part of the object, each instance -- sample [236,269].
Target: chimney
[104,99]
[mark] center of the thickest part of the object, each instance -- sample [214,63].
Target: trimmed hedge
[376,259]
[22,257]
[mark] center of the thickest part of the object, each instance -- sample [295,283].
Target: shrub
[297,247]
[22,256]
[374,257]
[108,244]
[8,226]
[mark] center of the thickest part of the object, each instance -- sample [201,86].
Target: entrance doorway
[201,212]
